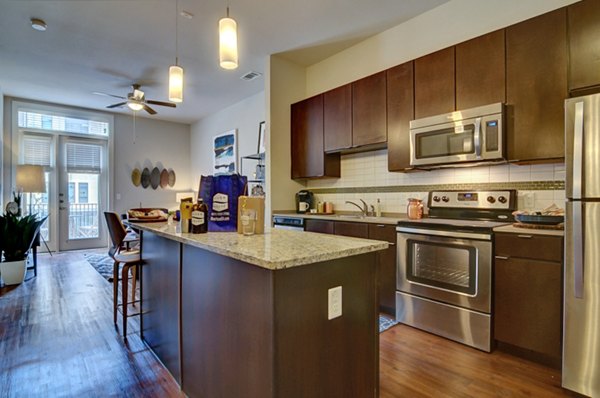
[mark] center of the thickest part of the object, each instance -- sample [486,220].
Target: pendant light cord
[176,33]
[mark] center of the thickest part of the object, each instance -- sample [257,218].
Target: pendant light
[176,71]
[228,53]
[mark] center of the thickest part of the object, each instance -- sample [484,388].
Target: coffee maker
[304,201]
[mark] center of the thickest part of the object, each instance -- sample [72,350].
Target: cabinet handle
[380,225]
[502,257]
[391,244]
[525,236]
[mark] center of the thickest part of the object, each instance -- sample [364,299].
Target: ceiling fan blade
[108,95]
[149,110]
[116,105]
[161,103]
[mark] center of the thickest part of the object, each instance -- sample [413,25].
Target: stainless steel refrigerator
[581,331]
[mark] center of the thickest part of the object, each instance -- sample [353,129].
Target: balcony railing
[83,220]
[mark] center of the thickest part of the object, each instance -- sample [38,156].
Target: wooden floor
[57,339]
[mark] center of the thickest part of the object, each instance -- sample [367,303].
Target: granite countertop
[346,216]
[529,231]
[276,249]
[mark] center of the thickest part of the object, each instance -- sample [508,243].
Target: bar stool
[130,258]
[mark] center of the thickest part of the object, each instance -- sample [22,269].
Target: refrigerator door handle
[578,151]
[578,264]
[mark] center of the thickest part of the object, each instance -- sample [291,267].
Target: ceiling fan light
[135,105]
[228,52]
[175,83]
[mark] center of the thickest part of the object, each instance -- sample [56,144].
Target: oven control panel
[500,200]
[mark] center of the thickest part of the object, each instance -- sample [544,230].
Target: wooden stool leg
[115,290]
[124,288]
[133,282]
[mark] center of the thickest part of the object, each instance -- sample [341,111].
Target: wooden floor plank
[57,339]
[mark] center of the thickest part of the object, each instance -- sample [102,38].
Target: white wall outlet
[118,196]
[334,302]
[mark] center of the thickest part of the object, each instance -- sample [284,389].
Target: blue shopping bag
[220,193]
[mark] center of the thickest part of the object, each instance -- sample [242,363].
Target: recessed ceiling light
[38,24]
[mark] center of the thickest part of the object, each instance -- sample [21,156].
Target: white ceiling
[106,45]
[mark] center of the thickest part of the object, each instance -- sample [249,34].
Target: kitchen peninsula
[232,315]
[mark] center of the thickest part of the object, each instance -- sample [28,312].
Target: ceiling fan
[136,100]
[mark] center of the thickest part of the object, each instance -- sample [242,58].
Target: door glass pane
[451,267]
[83,210]
[445,142]
[37,203]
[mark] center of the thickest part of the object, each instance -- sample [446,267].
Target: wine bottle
[199,218]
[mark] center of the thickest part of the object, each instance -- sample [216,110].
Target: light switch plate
[334,302]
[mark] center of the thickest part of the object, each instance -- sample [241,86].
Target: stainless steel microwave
[472,135]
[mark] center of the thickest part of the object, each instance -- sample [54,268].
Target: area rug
[385,323]
[101,263]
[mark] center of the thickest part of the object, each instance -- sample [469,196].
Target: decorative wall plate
[145,178]
[136,177]
[155,178]
[171,178]
[164,178]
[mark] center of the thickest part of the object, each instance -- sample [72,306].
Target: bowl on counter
[539,219]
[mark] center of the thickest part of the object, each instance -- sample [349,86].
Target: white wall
[157,144]
[244,116]
[1,148]
[444,26]
[286,84]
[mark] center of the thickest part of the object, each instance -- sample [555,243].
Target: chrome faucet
[364,209]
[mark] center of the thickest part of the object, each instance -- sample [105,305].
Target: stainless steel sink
[350,216]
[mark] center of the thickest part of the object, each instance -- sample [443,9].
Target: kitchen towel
[221,193]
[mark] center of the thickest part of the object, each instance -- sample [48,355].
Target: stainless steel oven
[472,135]
[454,270]
[444,269]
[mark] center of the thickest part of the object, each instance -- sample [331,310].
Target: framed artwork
[225,153]
[261,137]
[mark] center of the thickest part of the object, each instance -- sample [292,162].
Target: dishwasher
[287,222]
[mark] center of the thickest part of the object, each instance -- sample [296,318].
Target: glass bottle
[199,218]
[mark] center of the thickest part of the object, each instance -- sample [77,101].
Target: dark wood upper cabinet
[400,111]
[434,83]
[536,87]
[337,105]
[369,125]
[481,71]
[584,45]
[308,157]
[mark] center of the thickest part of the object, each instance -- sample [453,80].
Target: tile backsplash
[367,175]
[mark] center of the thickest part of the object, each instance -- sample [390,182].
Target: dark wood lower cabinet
[352,229]
[386,260]
[160,299]
[528,299]
[322,226]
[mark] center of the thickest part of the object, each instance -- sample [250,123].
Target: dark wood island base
[227,328]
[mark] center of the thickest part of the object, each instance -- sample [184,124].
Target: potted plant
[16,238]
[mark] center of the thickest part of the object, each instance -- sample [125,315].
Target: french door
[82,193]
[76,189]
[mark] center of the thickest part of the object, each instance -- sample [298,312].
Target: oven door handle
[449,234]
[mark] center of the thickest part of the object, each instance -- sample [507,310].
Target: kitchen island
[248,316]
